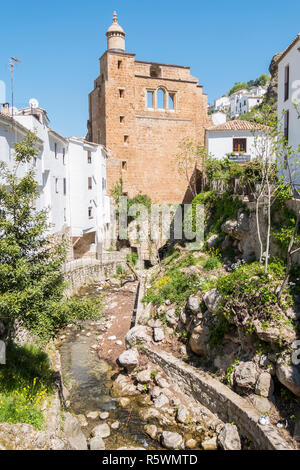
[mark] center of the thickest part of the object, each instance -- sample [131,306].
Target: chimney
[4,108]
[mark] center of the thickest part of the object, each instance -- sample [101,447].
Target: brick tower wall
[118,108]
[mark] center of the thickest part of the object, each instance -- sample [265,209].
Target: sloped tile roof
[236,125]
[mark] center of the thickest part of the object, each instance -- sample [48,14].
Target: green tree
[239,86]
[31,279]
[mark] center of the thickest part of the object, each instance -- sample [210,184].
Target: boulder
[212,241]
[171,317]
[161,401]
[123,402]
[156,391]
[171,440]
[161,382]
[158,335]
[210,444]
[129,359]
[193,304]
[245,375]
[138,334]
[104,415]
[289,376]
[123,386]
[82,421]
[264,385]
[151,430]
[284,334]
[144,377]
[229,226]
[96,443]
[212,300]
[191,444]
[262,404]
[73,433]
[183,415]
[229,438]
[92,415]
[102,430]
[199,340]
[115,425]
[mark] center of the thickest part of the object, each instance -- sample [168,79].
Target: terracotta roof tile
[236,125]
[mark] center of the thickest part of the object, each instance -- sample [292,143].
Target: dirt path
[119,305]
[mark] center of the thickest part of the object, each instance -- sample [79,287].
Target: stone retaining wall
[219,399]
[83,271]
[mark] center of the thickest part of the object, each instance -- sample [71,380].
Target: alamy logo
[2,352]
[2,92]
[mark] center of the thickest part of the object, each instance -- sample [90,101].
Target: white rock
[115,425]
[104,415]
[158,335]
[129,359]
[172,440]
[161,401]
[96,443]
[229,438]
[102,430]
[111,338]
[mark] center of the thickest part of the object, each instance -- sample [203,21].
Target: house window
[121,93]
[119,64]
[89,157]
[286,82]
[150,99]
[56,185]
[171,101]
[286,125]
[126,139]
[64,156]
[122,119]
[124,165]
[240,145]
[160,99]
[55,150]
[90,182]
[65,186]
[90,212]
[103,184]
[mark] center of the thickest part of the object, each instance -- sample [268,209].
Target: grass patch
[25,381]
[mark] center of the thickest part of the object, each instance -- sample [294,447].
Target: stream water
[90,380]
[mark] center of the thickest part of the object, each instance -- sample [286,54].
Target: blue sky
[59,43]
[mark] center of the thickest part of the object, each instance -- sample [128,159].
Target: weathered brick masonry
[143,139]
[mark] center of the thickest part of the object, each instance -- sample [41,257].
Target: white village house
[71,174]
[240,141]
[242,101]
[289,97]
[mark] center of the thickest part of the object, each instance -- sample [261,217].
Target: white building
[222,104]
[289,97]
[240,141]
[242,101]
[71,188]
[219,117]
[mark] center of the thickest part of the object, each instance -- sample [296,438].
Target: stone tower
[141,111]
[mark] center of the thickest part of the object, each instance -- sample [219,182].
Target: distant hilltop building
[141,111]
[242,101]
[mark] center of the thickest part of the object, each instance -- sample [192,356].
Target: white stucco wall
[67,208]
[292,59]
[220,143]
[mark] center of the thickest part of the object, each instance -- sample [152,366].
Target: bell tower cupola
[115,36]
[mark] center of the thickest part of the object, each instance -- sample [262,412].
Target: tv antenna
[13,61]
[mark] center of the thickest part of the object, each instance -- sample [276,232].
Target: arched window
[160,99]
[171,101]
